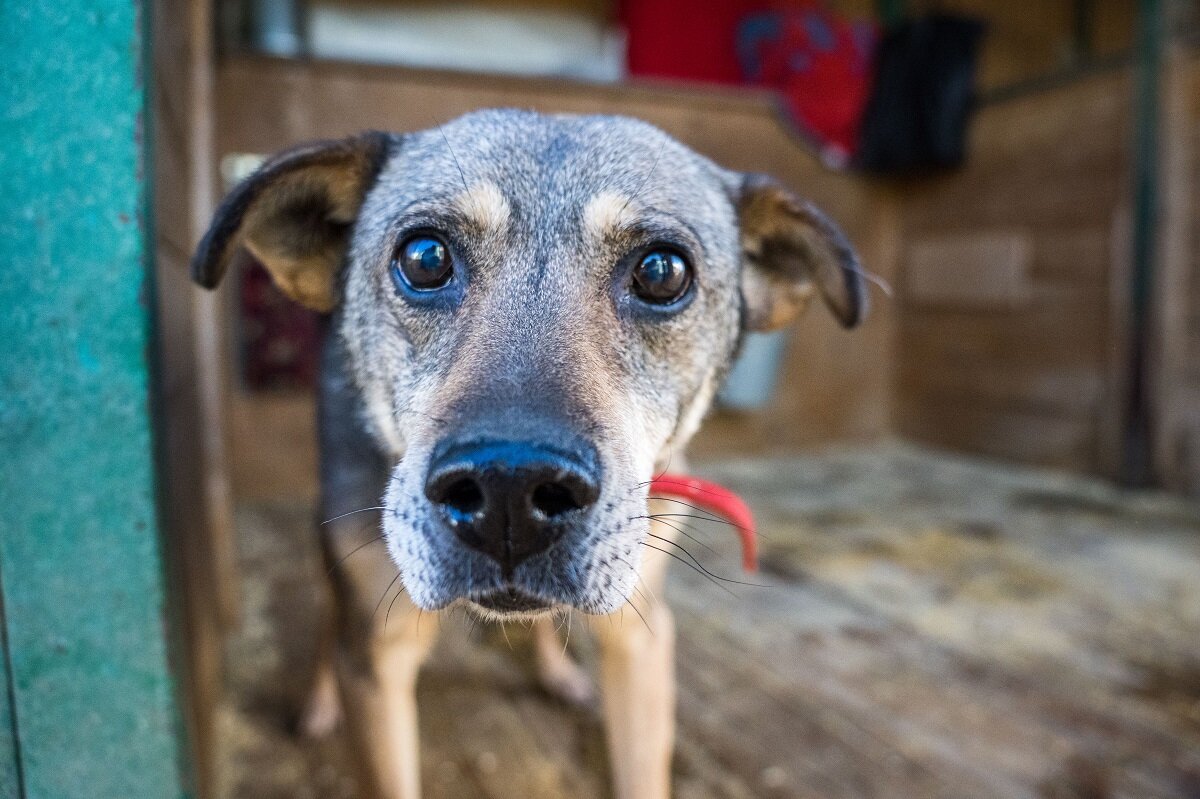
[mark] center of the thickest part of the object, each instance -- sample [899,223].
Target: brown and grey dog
[530,316]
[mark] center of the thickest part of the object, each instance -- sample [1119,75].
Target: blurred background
[979,518]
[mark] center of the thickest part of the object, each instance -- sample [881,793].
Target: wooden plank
[196,519]
[1177,290]
[968,422]
[79,550]
[1072,256]
[1029,336]
[931,627]
[988,269]
[1054,332]
[1054,390]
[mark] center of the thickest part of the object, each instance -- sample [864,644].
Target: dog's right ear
[790,251]
[294,215]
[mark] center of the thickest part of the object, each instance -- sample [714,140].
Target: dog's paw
[557,671]
[323,712]
[565,679]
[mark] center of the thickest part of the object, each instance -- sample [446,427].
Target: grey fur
[546,335]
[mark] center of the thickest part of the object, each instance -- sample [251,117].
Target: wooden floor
[933,627]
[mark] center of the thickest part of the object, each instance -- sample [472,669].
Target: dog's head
[538,311]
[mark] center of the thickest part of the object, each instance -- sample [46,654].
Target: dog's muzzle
[511,500]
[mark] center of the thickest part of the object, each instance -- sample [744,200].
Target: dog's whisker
[343,558]
[756,532]
[385,593]
[409,409]
[504,629]
[679,530]
[700,566]
[698,517]
[351,513]
[645,602]
[387,615]
[701,572]
[639,615]
[690,486]
[666,468]
[642,594]
[646,179]
[869,276]
[567,639]
[690,556]
[679,519]
[462,175]
[690,505]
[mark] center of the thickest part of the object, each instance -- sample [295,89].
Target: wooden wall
[835,384]
[1189,465]
[193,482]
[1026,41]
[1007,334]
[1177,384]
[1010,330]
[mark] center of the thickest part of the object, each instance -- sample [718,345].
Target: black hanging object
[924,89]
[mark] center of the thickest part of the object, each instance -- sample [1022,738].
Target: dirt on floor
[930,626]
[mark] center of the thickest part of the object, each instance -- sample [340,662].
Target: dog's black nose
[509,499]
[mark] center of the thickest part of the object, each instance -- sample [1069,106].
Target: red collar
[717,499]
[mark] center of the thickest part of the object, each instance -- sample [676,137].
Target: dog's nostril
[464,496]
[554,499]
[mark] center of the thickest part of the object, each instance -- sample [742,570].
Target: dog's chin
[510,604]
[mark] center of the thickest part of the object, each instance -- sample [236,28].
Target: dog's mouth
[511,601]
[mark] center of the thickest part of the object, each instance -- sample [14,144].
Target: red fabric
[684,40]
[717,499]
[820,63]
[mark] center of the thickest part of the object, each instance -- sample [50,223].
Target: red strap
[720,500]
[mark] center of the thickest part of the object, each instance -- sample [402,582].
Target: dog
[528,318]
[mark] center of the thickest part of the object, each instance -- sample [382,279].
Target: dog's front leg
[637,673]
[378,686]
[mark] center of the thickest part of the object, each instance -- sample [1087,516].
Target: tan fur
[484,205]
[558,204]
[606,212]
[637,682]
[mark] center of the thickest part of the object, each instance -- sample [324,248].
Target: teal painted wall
[83,597]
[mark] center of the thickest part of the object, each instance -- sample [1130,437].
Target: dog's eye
[423,263]
[661,277]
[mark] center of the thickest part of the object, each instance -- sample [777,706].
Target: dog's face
[538,311]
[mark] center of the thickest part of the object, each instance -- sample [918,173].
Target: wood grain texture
[197,524]
[981,270]
[933,627]
[1177,290]
[1035,374]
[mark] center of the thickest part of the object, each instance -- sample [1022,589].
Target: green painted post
[92,711]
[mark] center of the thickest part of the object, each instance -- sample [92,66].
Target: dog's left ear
[294,215]
[789,250]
